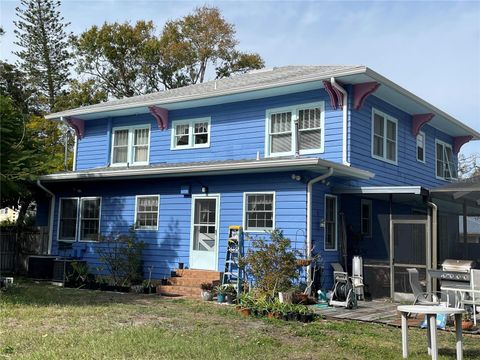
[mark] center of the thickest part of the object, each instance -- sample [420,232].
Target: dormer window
[130,145]
[188,134]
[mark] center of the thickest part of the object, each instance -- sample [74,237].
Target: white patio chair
[472,296]
[424,297]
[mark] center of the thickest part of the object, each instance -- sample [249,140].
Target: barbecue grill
[454,273]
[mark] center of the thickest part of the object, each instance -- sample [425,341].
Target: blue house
[340,158]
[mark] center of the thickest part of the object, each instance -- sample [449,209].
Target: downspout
[434,240]
[52,214]
[309,219]
[345,120]
[74,165]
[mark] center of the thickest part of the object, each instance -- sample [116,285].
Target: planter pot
[138,289]
[306,318]
[292,316]
[173,274]
[301,298]
[103,287]
[180,265]
[303,262]
[229,298]
[285,297]
[467,324]
[245,311]
[164,281]
[220,298]
[207,295]
[123,289]
[285,317]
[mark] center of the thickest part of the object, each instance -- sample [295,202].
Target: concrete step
[189,291]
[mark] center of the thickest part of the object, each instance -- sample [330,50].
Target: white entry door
[204,235]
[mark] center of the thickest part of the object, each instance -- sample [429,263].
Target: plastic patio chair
[474,294]
[424,297]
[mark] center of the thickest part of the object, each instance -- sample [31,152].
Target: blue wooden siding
[171,243]
[237,132]
[409,171]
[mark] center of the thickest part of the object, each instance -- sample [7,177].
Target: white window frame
[79,230]
[60,213]
[294,110]
[191,136]
[130,152]
[453,172]
[424,144]
[79,218]
[325,223]
[386,118]
[146,228]
[244,220]
[369,204]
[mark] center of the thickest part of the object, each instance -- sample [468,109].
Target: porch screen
[68,219]
[259,212]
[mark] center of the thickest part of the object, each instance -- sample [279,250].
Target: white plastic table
[431,312]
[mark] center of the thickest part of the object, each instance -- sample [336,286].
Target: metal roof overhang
[220,168]
[413,190]
[389,92]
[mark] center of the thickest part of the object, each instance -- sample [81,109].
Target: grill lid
[457,265]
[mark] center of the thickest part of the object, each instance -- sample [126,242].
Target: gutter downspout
[52,214]
[434,240]
[309,220]
[345,120]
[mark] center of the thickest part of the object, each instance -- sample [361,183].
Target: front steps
[187,282]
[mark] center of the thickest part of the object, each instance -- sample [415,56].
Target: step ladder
[234,273]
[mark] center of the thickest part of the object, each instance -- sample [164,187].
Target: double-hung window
[421,147]
[259,211]
[296,127]
[384,137]
[366,217]
[146,213]
[130,145]
[188,134]
[79,219]
[444,161]
[331,222]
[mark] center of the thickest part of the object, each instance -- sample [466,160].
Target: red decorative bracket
[78,125]
[332,93]
[161,115]
[418,121]
[459,141]
[362,91]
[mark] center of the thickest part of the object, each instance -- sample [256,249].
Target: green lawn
[46,322]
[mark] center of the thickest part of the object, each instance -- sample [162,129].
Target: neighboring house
[8,214]
[317,151]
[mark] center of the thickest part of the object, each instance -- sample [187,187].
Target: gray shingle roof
[253,79]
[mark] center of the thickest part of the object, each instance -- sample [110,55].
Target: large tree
[131,60]
[45,57]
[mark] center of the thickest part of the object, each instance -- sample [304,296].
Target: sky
[431,48]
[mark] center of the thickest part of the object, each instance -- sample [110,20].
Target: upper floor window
[421,146]
[282,135]
[79,218]
[146,213]
[445,168]
[130,145]
[193,133]
[259,211]
[384,137]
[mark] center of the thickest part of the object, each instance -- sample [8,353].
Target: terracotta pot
[467,324]
[245,311]
[303,262]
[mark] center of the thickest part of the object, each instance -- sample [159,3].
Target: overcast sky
[430,48]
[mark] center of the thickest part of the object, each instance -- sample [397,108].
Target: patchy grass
[38,321]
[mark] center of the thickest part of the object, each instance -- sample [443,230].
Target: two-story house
[328,154]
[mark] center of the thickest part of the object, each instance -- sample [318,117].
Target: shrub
[122,256]
[272,264]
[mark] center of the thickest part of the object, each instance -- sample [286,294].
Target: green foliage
[80,94]
[272,264]
[122,256]
[42,37]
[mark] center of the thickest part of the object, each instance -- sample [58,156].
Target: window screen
[259,212]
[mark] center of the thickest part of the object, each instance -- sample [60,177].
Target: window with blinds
[259,211]
[189,134]
[146,215]
[130,146]
[297,126]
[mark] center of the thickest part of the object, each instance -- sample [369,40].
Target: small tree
[272,263]
[122,256]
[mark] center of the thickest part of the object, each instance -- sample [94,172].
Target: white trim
[217,197]
[370,219]
[130,139]
[147,228]
[294,109]
[244,218]
[79,228]
[386,118]
[453,172]
[191,136]
[325,223]
[75,148]
[59,215]
[424,145]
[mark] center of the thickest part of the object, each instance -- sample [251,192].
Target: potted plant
[246,303]
[230,294]
[221,292]
[467,322]
[207,291]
